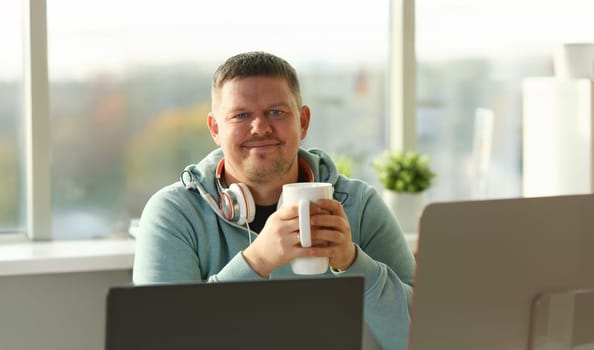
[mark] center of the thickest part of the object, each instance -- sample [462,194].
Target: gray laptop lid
[482,265]
[311,313]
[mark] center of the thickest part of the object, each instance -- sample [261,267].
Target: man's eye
[276,113]
[242,116]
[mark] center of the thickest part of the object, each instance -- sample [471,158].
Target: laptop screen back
[308,313]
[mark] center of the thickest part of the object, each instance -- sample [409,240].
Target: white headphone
[236,203]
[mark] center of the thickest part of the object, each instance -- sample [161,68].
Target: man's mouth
[261,144]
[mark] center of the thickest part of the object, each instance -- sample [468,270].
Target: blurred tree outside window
[130,91]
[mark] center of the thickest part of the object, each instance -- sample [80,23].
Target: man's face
[258,124]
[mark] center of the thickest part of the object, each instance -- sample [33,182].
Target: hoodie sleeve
[165,245]
[386,261]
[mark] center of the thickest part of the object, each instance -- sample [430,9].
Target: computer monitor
[488,272]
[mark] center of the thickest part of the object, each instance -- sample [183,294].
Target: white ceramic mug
[301,194]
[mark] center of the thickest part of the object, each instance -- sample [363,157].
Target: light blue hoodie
[182,239]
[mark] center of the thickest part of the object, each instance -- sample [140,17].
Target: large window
[129,89]
[12,216]
[472,57]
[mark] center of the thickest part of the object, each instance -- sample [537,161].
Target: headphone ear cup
[228,205]
[237,204]
[245,203]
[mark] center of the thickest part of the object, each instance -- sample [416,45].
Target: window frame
[37,125]
[402,103]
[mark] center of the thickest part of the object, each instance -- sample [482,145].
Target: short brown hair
[256,63]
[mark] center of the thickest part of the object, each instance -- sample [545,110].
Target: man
[258,121]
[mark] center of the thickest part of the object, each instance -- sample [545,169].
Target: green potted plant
[404,171]
[405,175]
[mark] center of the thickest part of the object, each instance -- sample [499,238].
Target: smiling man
[221,221]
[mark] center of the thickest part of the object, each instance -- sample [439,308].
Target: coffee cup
[301,194]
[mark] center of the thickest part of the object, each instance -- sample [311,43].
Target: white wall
[55,311]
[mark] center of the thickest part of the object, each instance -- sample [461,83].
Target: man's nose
[261,125]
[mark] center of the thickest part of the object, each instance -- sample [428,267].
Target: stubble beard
[262,173]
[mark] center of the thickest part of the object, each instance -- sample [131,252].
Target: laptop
[308,313]
[488,272]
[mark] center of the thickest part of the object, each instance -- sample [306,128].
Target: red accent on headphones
[304,168]
[236,202]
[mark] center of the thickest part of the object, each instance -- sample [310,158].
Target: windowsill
[23,257]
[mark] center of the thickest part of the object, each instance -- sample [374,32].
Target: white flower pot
[407,207]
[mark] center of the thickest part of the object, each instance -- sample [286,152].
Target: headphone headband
[304,169]
[236,203]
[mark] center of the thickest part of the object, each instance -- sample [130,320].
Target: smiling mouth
[261,144]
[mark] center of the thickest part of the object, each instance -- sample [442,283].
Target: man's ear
[213,128]
[304,117]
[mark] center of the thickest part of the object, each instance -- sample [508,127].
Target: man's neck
[268,194]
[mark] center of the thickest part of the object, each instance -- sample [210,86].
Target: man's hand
[329,224]
[278,242]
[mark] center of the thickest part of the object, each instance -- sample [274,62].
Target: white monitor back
[482,265]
